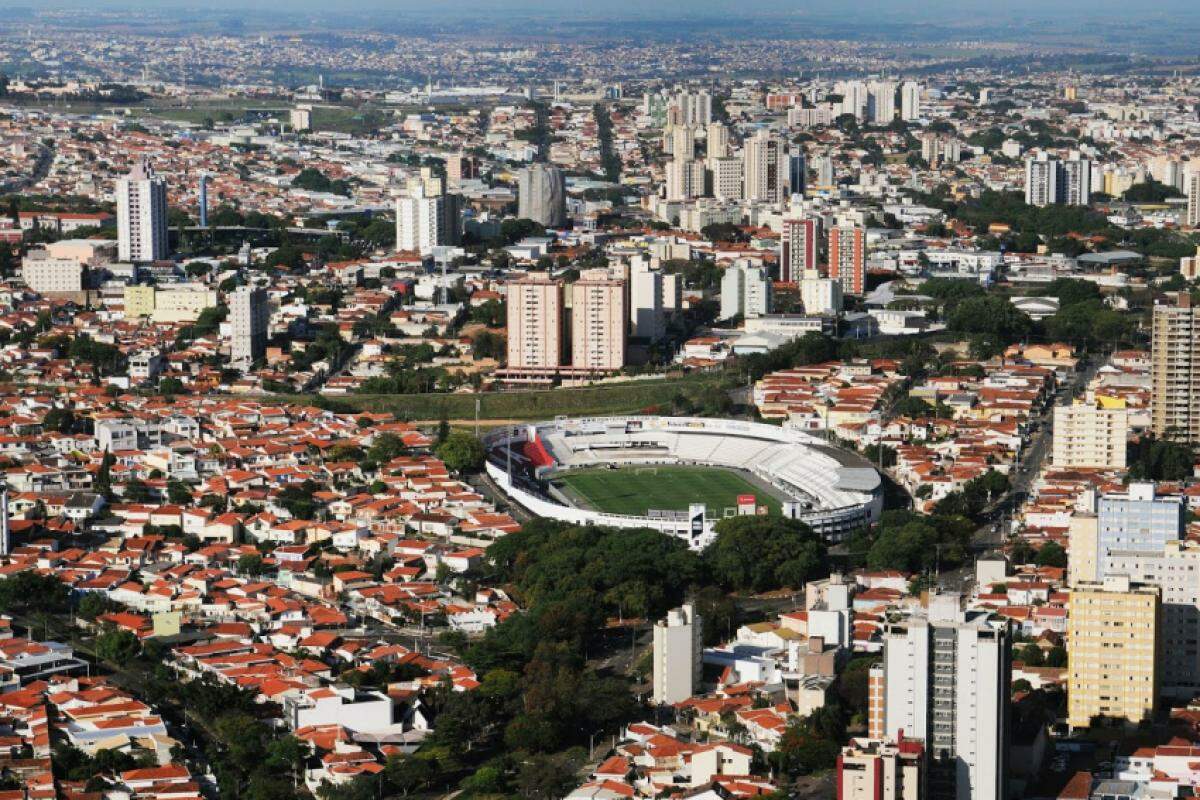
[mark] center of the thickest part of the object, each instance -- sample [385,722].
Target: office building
[142,216]
[427,216]
[848,257]
[875,770]
[598,322]
[1089,435]
[1175,570]
[764,168]
[535,323]
[461,167]
[542,195]
[1175,370]
[745,290]
[946,681]
[881,102]
[798,247]
[1193,195]
[797,173]
[1138,520]
[677,655]
[1112,649]
[823,166]
[249,318]
[910,101]
[647,313]
[47,275]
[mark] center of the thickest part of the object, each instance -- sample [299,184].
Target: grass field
[614,398]
[635,490]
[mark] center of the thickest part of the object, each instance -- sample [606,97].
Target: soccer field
[636,490]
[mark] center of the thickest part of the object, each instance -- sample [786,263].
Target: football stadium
[681,475]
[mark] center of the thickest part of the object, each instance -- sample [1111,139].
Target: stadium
[681,475]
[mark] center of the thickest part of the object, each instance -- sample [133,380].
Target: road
[990,536]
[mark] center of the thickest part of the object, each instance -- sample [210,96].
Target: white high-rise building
[142,216]
[764,167]
[693,108]
[820,295]
[910,101]
[426,215]
[1193,193]
[716,142]
[1088,435]
[726,176]
[745,290]
[542,195]
[1041,180]
[1076,182]
[685,179]
[946,681]
[798,247]
[677,656]
[647,314]
[881,102]
[855,96]
[249,318]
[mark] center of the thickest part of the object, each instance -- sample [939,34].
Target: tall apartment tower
[910,101]
[598,321]
[1112,651]
[716,141]
[1088,435]
[427,216]
[745,290]
[647,311]
[848,257]
[946,681]
[1193,193]
[142,216]
[798,247]
[677,650]
[249,317]
[1076,182]
[535,323]
[1041,180]
[542,195]
[1175,370]
[764,168]
[881,102]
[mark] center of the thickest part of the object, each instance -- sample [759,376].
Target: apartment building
[535,323]
[848,257]
[182,303]
[427,216]
[142,216]
[598,322]
[1089,435]
[542,195]
[746,290]
[798,246]
[1193,206]
[874,770]
[45,274]
[946,681]
[1175,370]
[1175,570]
[1113,651]
[763,168]
[249,316]
[677,655]
[1139,520]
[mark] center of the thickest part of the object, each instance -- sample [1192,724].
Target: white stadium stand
[832,490]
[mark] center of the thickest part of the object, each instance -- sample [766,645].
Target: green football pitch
[636,490]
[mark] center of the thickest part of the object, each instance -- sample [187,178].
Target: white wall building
[142,216]
[677,655]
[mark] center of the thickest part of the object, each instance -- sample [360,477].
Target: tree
[1031,656]
[117,646]
[462,452]
[178,493]
[250,564]
[762,553]
[1051,554]
[1057,656]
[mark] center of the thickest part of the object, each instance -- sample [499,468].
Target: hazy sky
[948,11]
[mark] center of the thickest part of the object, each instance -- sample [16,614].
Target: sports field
[636,490]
